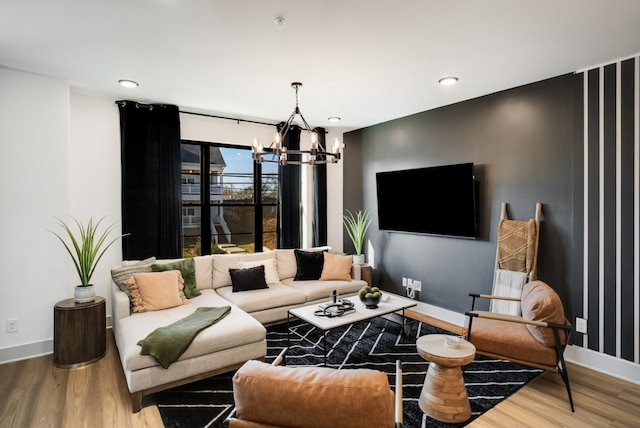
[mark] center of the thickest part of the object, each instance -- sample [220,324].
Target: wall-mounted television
[439,200]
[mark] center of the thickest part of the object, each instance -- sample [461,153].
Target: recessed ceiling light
[128,83]
[448,81]
[334,119]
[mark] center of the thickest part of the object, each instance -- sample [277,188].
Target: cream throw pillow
[336,267]
[156,290]
[221,263]
[270,271]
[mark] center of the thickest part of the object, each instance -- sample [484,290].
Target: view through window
[227,214]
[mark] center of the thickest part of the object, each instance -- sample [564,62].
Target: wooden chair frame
[560,367]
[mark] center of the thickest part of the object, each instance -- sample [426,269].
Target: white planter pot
[358,259]
[84,294]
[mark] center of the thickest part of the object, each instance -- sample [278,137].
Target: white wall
[94,175]
[60,156]
[34,189]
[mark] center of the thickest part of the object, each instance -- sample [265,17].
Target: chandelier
[277,152]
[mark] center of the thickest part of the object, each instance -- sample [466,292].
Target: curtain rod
[228,118]
[122,103]
[150,107]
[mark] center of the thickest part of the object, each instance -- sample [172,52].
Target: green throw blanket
[166,344]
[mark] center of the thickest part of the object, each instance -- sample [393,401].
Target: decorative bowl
[452,342]
[371,302]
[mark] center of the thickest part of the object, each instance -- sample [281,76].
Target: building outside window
[220,217]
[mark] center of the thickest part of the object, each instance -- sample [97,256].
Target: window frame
[258,203]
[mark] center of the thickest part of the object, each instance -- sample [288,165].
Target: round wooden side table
[444,396]
[79,332]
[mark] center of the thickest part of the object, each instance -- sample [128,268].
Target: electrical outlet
[404,281]
[417,285]
[410,283]
[12,325]
[581,325]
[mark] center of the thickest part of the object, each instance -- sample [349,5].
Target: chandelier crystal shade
[277,152]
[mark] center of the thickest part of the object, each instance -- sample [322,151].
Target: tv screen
[438,200]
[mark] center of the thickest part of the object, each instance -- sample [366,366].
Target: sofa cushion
[270,270]
[336,267]
[248,279]
[277,295]
[122,273]
[151,291]
[312,397]
[540,302]
[223,262]
[187,268]
[309,264]
[286,261]
[314,290]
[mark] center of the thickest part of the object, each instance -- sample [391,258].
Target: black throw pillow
[248,279]
[309,265]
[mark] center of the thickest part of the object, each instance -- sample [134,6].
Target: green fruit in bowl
[362,292]
[371,298]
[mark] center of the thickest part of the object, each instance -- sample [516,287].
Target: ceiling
[366,61]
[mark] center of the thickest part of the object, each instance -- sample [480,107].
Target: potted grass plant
[357,224]
[86,247]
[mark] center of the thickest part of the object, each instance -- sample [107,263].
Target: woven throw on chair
[516,245]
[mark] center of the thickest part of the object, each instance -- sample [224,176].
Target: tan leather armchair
[537,338]
[269,396]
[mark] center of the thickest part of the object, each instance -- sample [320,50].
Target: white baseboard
[603,363]
[25,351]
[31,350]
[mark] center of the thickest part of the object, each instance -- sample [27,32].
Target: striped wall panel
[611,259]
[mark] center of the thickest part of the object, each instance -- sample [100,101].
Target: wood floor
[34,393]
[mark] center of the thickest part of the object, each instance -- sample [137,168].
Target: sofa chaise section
[220,348]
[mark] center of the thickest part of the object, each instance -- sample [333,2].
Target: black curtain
[319,221]
[151,180]
[289,206]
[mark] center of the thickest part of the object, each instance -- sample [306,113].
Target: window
[221,215]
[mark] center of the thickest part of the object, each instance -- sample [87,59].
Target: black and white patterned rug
[206,403]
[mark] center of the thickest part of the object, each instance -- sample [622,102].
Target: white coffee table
[392,304]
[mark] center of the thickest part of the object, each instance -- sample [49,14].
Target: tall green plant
[87,249]
[357,225]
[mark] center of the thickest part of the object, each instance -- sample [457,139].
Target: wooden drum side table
[366,273]
[79,332]
[444,396]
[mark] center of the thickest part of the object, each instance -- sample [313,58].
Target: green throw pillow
[188,269]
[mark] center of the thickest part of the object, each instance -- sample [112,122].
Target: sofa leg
[136,401]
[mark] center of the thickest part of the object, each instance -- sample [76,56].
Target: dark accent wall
[522,144]
[568,142]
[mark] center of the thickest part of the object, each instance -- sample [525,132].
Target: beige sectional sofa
[235,339]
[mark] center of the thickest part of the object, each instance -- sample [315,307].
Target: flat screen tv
[438,200]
